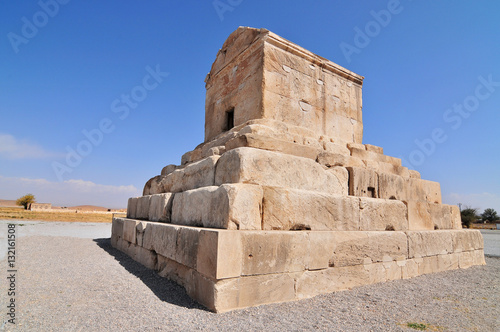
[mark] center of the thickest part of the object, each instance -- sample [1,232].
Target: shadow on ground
[166,290]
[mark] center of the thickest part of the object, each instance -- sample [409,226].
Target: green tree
[26,200]
[469,215]
[490,215]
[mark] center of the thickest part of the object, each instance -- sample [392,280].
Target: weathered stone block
[363,182]
[268,168]
[116,231]
[129,230]
[176,272]
[419,216]
[168,169]
[467,240]
[382,215]
[354,248]
[193,207]
[253,290]
[139,232]
[236,206]
[423,190]
[274,252]
[441,216]
[160,207]
[391,186]
[143,207]
[219,254]
[260,142]
[456,218]
[312,283]
[373,148]
[194,175]
[230,206]
[289,209]
[186,250]
[132,207]
[162,238]
[429,243]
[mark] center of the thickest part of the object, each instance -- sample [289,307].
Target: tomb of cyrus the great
[283,201]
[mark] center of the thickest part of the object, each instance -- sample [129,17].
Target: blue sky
[431,93]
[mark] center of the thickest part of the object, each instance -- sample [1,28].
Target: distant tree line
[470,215]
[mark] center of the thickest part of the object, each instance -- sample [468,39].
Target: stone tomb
[283,201]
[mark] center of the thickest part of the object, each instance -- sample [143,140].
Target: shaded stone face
[259,75]
[282,201]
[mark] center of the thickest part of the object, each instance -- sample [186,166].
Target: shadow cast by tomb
[166,290]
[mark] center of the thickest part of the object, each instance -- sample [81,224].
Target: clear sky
[431,93]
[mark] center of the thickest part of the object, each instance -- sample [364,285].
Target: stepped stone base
[230,269]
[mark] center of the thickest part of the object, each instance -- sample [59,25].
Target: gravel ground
[73,284]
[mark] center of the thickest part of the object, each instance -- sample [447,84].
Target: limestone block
[362,182]
[286,84]
[456,218]
[252,290]
[429,264]
[441,216]
[351,146]
[354,248]
[312,283]
[143,207]
[478,257]
[132,207]
[382,214]
[429,243]
[153,186]
[174,271]
[268,168]
[162,238]
[160,207]
[467,240]
[195,175]
[447,262]
[366,154]
[139,232]
[219,254]
[345,129]
[419,216]
[193,207]
[392,270]
[186,250]
[236,206]
[336,148]
[261,142]
[116,231]
[274,252]
[382,167]
[289,209]
[129,230]
[414,174]
[391,186]
[423,190]
[321,247]
[168,169]
[329,159]
[373,148]
[145,257]
[465,259]
[341,178]
[230,206]
[410,269]
[208,151]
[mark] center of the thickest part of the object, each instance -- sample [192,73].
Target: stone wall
[226,270]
